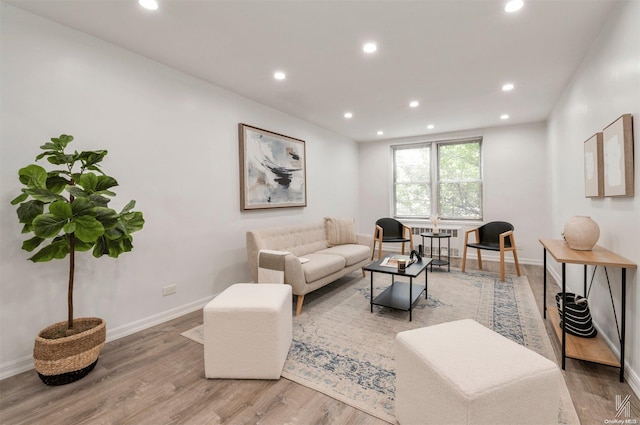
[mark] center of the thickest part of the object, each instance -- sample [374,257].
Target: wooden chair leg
[479,259]
[299,304]
[363,273]
[464,258]
[501,265]
[515,259]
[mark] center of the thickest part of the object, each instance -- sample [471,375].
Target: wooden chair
[390,230]
[493,236]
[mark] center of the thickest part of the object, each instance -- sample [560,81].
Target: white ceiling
[451,55]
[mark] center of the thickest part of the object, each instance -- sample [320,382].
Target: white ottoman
[248,331]
[463,373]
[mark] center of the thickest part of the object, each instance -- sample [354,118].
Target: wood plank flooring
[157,377]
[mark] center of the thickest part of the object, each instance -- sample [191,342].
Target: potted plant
[67,211]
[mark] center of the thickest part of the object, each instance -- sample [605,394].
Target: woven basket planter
[67,359]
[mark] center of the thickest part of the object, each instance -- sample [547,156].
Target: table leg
[431,252]
[426,284]
[564,309]
[371,302]
[544,281]
[410,297]
[448,254]
[623,324]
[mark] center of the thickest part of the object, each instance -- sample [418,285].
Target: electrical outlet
[169,289]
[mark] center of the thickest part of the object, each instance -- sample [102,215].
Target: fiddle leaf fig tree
[67,210]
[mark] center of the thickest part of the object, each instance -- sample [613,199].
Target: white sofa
[315,254]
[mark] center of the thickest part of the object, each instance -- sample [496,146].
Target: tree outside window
[438,179]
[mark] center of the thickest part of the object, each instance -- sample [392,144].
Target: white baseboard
[24,364]
[631,376]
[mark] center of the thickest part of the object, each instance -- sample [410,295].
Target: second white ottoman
[463,373]
[248,331]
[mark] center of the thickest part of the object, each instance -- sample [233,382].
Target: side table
[439,236]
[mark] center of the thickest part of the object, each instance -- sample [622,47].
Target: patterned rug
[343,350]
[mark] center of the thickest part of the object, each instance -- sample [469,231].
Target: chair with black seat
[390,230]
[493,236]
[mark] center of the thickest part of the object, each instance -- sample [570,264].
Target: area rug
[343,350]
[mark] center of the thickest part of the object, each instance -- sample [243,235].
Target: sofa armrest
[294,275]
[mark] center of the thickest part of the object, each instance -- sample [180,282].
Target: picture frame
[272,170]
[593,167]
[617,147]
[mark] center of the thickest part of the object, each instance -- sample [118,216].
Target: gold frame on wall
[272,170]
[617,142]
[593,167]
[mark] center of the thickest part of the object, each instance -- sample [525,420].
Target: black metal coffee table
[400,295]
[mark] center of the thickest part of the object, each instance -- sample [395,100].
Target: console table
[589,349]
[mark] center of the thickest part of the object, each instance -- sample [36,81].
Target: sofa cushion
[352,253]
[321,265]
[340,230]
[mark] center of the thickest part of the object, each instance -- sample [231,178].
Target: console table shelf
[589,349]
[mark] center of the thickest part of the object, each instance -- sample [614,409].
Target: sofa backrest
[298,239]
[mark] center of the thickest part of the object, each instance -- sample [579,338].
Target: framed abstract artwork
[272,170]
[593,167]
[617,147]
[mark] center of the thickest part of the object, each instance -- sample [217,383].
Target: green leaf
[60,209]
[44,195]
[62,141]
[69,227]
[19,198]
[57,249]
[104,183]
[133,221]
[49,146]
[27,228]
[29,210]
[61,159]
[88,229]
[31,244]
[99,200]
[56,183]
[82,246]
[100,248]
[88,182]
[33,176]
[82,206]
[77,192]
[48,225]
[90,158]
[106,216]
[128,207]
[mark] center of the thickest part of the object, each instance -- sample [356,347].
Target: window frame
[434,176]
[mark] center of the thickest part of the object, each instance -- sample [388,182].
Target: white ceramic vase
[581,233]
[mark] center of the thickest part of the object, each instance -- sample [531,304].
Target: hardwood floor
[157,377]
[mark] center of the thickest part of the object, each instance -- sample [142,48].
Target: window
[438,178]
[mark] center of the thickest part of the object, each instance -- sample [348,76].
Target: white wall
[514,178]
[173,146]
[606,85]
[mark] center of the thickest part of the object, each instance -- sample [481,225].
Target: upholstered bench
[463,373]
[248,331]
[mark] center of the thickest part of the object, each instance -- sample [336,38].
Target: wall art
[617,146]
[272,170]
[593,167]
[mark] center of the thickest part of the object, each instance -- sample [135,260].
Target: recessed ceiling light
[504,117]
[414,104]
[380,132]
[279,75]
[369,47]
[430,126]
[348,115]
[149,4]
[513,6]
[508,87]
